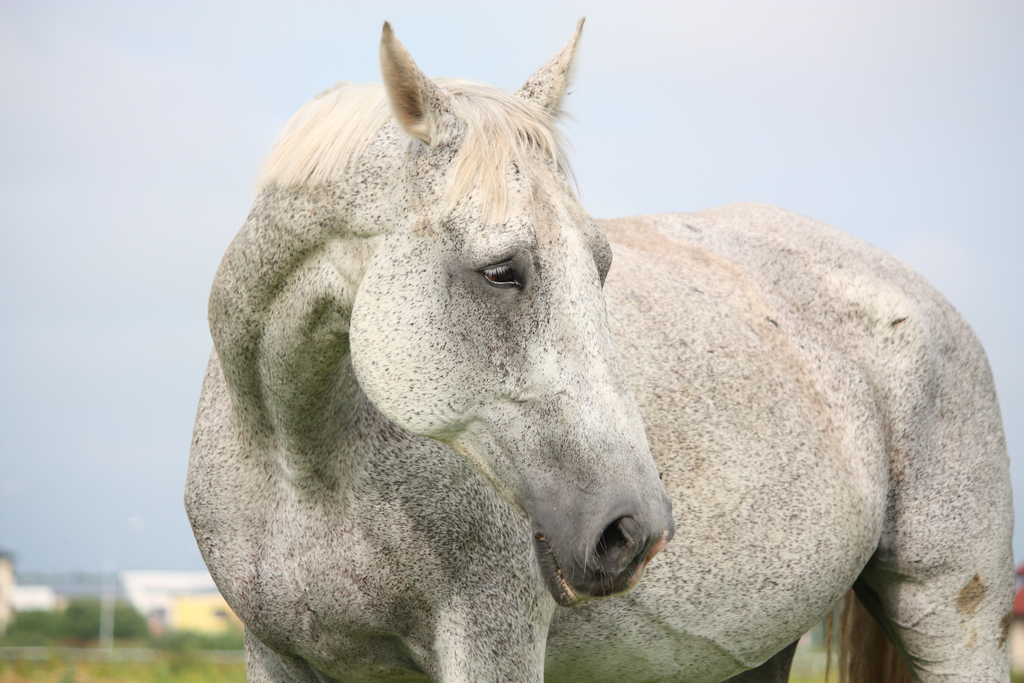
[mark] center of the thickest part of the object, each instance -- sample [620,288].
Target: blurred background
[131,132]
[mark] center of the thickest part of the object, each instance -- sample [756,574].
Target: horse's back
[812,404]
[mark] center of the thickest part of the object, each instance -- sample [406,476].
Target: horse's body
[820,418]
[814,406]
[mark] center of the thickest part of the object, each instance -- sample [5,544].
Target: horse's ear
[420,106]
[547,87]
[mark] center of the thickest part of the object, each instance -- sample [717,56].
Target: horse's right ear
[547,87]
[421,107]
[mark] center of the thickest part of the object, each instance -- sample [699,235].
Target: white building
[29,598]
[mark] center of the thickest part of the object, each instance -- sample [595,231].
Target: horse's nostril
[619,544]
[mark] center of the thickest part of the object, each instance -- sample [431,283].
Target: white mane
[335,128]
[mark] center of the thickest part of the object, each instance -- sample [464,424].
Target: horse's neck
[279,314]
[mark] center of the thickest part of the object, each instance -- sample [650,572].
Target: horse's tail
[865,653]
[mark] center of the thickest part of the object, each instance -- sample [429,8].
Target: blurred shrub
[34,628]
[186,641]
[78,624]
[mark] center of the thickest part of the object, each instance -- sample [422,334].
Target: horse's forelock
[321,139]
[500,129]
[335,128]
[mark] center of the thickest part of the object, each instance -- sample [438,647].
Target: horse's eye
[502,275]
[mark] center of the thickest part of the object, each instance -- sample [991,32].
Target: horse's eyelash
[502,275]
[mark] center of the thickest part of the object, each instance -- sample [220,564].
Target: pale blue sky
[130,134]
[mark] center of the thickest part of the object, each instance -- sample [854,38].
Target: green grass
[170,669]
[177,669]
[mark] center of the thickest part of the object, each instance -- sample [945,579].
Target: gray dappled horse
[434,414]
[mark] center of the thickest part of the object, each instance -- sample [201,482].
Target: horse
[441,438]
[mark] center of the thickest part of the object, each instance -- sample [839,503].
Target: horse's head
[480,320]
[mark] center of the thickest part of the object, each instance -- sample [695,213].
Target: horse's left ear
[421,107]
[547,87]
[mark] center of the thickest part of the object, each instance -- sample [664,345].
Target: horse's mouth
[566,596]
[559,588]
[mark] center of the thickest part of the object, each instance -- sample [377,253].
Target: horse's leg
[947,629]
[775,670]
[940,583]
[262,665]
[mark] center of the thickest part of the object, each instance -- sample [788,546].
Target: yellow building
[203,613]
[179,601]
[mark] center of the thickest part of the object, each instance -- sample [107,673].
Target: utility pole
[107,597]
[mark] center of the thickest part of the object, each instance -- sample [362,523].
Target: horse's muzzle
[612,565]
